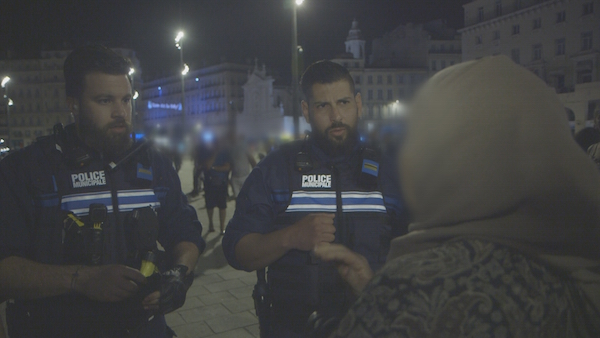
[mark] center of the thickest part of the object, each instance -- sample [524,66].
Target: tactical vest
[59,189]
[299,283]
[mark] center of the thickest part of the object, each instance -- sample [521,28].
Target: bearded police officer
[326,188]
[82,210]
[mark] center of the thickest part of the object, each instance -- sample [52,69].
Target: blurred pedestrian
[242,162]
[216,177]
[201,154]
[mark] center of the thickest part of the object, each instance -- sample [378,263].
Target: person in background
[201,154]
[326,188]
[82,211]
[506,218]
[241,164]
[216,178]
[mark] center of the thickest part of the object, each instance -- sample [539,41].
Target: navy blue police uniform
[46,186]
[362,191]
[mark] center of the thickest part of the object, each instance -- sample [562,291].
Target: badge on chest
[88,179]
[316,181]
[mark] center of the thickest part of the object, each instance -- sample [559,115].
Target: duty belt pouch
[76,238]
[294,285]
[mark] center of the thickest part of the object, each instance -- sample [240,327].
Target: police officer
[76,206]
[326,188]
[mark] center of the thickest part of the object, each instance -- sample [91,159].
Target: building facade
[212,95]
[37,91]
[265,106]
[399,63]
[558,40]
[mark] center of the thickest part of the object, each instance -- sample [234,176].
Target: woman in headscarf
[506,208]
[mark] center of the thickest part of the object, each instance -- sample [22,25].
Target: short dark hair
[88,59]
[324,72]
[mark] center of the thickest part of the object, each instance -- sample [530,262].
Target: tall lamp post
[295,96]
[133,97]
[5,81]
[179,45]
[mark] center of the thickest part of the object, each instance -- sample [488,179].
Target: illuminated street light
[9,103]
[133,117]
[295,50]
[5,81]
[179,45]
[178,38]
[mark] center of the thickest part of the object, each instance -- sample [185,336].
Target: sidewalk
[219,303]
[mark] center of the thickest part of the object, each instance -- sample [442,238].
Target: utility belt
[291,293]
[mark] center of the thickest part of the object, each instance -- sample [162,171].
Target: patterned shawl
[489,154]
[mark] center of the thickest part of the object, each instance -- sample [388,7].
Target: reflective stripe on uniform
[128,200]
[324,201]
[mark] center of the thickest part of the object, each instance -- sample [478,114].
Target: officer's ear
[73,105]
[358,100]
[305,111]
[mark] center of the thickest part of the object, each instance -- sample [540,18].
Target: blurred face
[103,112]
[333,112]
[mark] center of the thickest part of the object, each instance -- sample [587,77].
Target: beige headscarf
[489,154]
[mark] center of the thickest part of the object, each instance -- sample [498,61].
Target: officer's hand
[152,301]
[353,267]
[173,288]
[108,283]
[312,230]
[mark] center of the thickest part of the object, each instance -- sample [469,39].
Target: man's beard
[102,140]
[336,145]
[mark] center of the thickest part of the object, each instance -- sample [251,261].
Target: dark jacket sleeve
[16,207]
[254,213]
[178,220]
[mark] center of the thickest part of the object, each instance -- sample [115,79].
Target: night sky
[216,30]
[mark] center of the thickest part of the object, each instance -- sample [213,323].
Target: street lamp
[295,103]
[9,103]
[133,97]
[179,45]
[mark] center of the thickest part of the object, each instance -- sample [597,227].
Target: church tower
[355,44]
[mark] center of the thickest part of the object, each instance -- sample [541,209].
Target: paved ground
[219,303]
